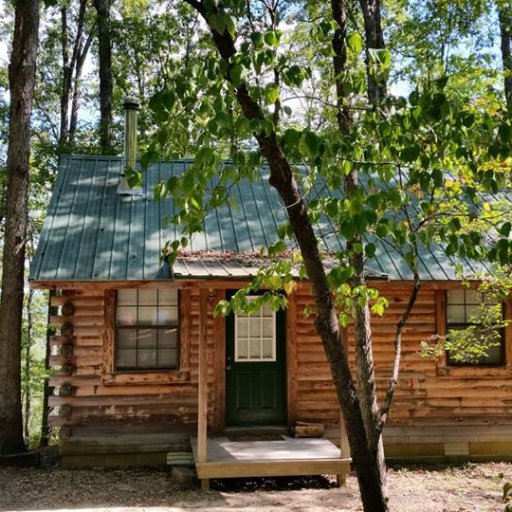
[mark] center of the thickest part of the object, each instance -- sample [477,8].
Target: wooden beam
[202,399]
[240,469]
[344,444]
[109,332]
[219,370]
[508,333]
[291,359]
[440,297]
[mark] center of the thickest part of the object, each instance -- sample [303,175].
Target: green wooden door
[256,368]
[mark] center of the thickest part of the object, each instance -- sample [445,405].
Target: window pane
[126,358]
[126,338]
[266,350]
[255,348]
[148,297]
[167,358]
[167,315]
[267,328]
[167,338]
[168,297]
[455,297]
[126,315]
[243,327]
[266,310]
[473,297]
[147,315]
[242,349]
[147,338]
[494,355]
[146,358]
[455,314]
[127,297]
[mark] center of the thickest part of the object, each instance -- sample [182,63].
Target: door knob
[228,367]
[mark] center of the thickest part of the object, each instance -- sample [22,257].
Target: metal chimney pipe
[131,108]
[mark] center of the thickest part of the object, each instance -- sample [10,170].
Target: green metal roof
[93,233]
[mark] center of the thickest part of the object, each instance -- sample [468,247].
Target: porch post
[344,444]
[202,399]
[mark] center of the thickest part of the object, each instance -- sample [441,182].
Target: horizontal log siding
[136,398]
[433,402]
[431,398]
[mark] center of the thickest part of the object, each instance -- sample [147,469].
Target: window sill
[473,371]
[146,377]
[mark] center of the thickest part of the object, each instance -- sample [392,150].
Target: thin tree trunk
[66,77]
[71,67]
[505,16]
[75,102]
[105,72]
[22,74]
[374,40]
[362,327]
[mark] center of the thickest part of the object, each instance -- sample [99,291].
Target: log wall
[448,410]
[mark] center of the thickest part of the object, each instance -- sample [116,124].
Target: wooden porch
[219,457]
[285,457]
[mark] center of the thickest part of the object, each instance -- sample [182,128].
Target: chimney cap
[130,102]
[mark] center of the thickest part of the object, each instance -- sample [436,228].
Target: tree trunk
[105,71]
[22,75]
[505,15]
[66,77]
[374,40]
[362,327]
[326,322]
[75,102]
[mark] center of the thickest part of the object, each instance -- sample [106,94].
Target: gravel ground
[467,488]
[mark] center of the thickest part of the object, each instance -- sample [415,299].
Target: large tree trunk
[105,65]
[21,86]
[505,15]
[326,322]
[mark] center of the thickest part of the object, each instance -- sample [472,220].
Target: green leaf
[272,38]
[370,250]
[230,23]
[355,42]
[235,74]
[505,229]
[271,93]
[505,132]
[310,144]
[410,153]
[218,22]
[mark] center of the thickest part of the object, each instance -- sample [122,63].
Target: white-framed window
[462,312]
[255,335]
[147,329]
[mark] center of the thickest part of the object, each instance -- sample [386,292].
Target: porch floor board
[288,457]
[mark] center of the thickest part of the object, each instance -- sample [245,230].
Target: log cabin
[143,372]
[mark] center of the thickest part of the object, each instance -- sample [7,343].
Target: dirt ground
[469,487]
